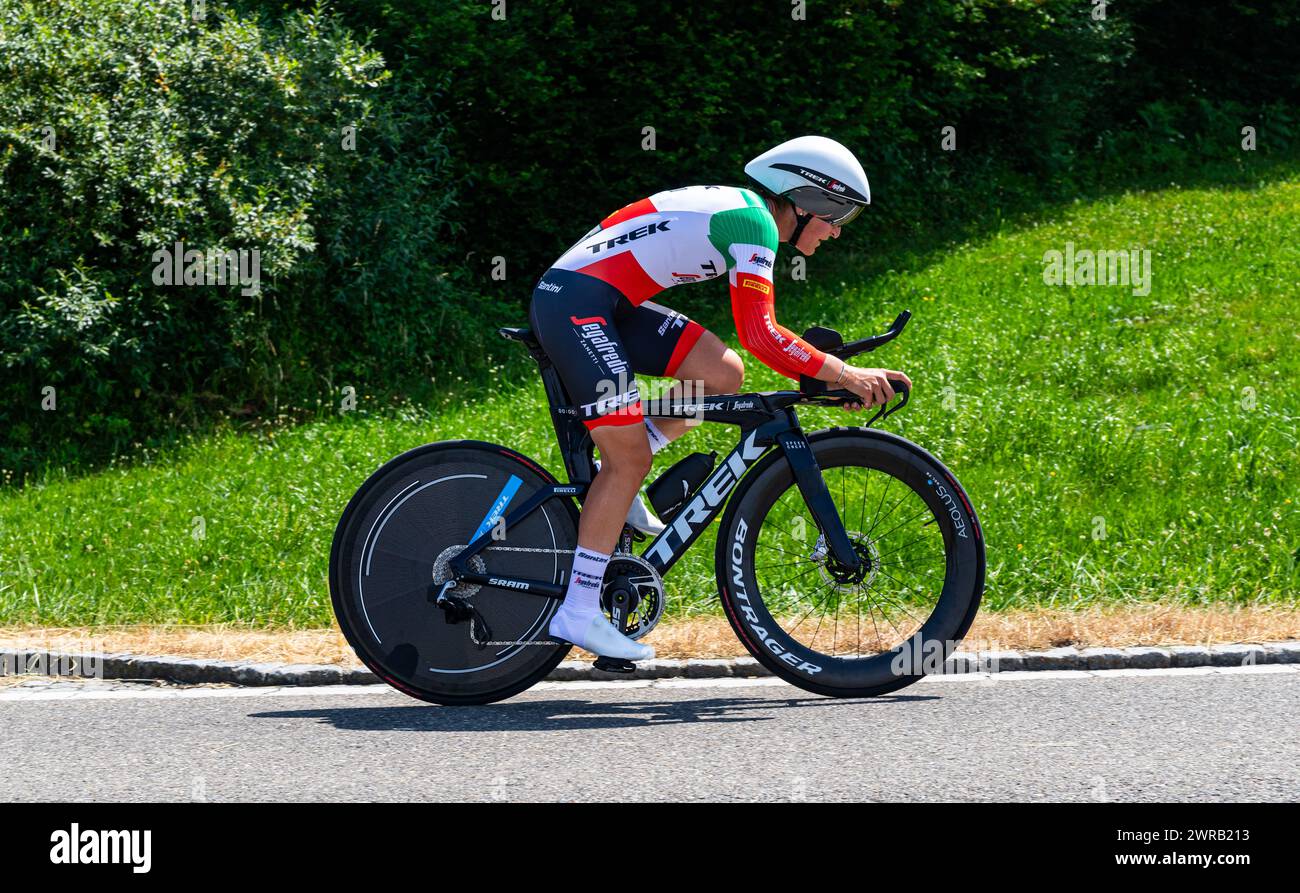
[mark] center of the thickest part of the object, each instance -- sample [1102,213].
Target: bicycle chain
[494,644]
[478,615]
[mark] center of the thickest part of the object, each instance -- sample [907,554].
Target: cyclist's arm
[753,308]
[747,237]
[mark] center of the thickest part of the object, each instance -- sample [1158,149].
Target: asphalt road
[1191,735]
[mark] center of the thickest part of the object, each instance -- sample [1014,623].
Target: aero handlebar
[831,342]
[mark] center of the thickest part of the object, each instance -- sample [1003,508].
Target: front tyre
[852,632]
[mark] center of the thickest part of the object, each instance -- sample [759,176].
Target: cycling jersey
[675,237]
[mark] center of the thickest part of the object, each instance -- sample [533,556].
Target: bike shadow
[568,714]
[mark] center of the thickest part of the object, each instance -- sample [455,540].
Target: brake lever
[900,387]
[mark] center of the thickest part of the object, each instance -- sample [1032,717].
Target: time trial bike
[839,555]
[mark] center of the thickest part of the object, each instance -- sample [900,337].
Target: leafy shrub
[481,137]
[549,102]
[127,126]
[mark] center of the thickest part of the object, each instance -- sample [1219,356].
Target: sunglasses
[815,201]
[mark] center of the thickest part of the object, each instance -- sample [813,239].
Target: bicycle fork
[808,475]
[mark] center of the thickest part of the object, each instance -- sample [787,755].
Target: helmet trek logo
[817,178]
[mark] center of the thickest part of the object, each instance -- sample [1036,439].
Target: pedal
[614,665]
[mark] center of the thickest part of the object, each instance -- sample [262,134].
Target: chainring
[641,576]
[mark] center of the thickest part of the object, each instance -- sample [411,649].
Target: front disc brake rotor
[841,578]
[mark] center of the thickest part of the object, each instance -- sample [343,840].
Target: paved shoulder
[1191,735]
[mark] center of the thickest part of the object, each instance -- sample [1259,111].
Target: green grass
[1108,440]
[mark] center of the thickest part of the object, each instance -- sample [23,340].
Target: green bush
[127,125]
[549,102]
[481,137]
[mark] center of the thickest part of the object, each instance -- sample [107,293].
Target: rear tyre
[391,550]
[869,631]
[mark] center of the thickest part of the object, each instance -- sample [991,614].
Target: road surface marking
[100,691]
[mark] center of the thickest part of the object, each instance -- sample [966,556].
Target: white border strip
[100,691]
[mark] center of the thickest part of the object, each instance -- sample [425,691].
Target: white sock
[580,619]
[656,437]
[583,594]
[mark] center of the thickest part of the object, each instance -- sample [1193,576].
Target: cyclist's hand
[872,385]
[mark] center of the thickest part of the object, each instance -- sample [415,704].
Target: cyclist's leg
[624,464]
[663,342]
[573,318]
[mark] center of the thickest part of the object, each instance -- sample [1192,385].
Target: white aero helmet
[817,174]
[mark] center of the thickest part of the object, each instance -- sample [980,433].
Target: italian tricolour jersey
[690,235]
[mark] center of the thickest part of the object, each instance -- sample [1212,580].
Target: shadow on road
[567,714]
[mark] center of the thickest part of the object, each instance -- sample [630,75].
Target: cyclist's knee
[632,462]
[624,451]
[730,375]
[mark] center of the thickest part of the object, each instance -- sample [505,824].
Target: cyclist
[592,314]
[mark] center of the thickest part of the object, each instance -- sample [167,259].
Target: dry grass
[1037,629]
[13,681]
[1122,628]
[309,646]
[707,636]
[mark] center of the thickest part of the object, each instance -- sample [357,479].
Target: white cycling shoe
[596,634]
[639,516]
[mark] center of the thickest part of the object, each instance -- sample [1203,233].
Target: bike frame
[766,420]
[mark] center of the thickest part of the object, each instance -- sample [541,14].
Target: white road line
[99,691]
[96,693]
[1028,675]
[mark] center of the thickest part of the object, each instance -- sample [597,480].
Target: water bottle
[673,488]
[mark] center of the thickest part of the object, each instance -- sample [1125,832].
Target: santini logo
[77,847]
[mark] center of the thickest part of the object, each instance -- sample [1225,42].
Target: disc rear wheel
[392,552]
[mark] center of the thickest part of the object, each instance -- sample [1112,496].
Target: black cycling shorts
[598,341]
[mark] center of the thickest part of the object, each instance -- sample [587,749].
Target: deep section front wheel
[392,551]
[852,631]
